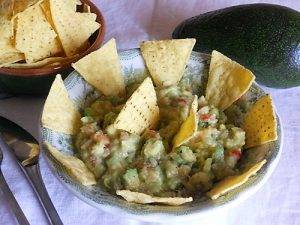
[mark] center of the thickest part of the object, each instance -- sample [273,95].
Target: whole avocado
[263,37]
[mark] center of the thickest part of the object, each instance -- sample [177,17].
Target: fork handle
[34,176]
[22,220]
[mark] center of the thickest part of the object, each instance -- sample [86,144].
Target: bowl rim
[40,72]
[147,216]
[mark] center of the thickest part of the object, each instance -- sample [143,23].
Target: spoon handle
[12,201]
[34,176]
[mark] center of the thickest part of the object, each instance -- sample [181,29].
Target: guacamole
[147,163]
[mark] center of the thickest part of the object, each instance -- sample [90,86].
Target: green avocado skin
[265,38]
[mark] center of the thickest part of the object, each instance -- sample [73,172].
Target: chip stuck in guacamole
[160,144]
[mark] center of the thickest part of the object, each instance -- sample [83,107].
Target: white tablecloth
[131,21]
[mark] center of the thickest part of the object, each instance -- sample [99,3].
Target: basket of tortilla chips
[160,131]
[40,38]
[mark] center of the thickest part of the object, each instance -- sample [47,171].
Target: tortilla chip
[8,58]
[6,31]
[142,198]
[8,54]
[35,36]
[90,16]
[260,123]
[21,5]
[166,60]
[140,111]
[74,3]
[59,112]
[73,29]
[189,127]
[232,182]
[102,69]
[227,81]
[74,166]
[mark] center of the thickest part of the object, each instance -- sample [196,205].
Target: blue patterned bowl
[134,69]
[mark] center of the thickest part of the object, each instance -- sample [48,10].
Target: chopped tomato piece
[206,117]
[237,153]
[100,137]
[182,101]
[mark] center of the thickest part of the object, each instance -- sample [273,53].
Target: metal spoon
[10,197]
[26,150]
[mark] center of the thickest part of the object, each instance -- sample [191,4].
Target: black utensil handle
[34,176]
[21,218]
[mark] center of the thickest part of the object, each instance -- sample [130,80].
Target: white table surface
[131,21]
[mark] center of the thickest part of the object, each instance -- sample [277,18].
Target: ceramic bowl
[39,80]
[134,69]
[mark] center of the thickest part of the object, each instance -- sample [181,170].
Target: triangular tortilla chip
[6,31]
[260,123]
[189,127]
[73,29]
[166,60]
[232,182]
[142,198]
[45,5]
[35,36]
[102,69]
[9,58]
[90,16]
[59,112]
[8,54]
[140,111]
[74,166]
[72,4]
[21,5]
[227,81]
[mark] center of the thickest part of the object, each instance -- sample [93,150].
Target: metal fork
[10,197]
